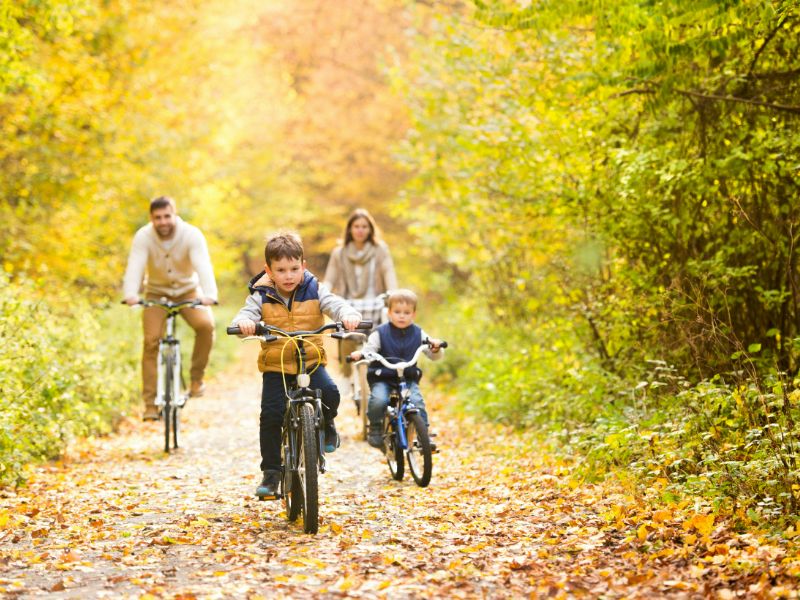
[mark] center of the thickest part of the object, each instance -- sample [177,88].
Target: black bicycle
[171,394]
[405,435]
[303,430]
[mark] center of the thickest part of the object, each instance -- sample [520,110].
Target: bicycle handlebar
[370,356]
[269,331]
[169,305]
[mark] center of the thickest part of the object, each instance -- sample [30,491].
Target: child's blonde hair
[402,296]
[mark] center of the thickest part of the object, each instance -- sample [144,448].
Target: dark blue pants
[273,406]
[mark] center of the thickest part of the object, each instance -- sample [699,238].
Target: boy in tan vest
[289,297]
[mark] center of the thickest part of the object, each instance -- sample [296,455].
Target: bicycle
[404,430]
[358,374]
[171,394]
[303,429]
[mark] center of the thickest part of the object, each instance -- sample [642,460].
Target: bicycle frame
[169,347]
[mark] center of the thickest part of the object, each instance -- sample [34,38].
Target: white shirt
[169,267]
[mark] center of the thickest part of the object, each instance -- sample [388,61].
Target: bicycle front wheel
[419,450]
[392,450]
[169,400]
[362,390]
[292,491]
[307,469]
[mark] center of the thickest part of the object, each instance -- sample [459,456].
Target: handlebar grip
[348,359]
[365,325]
[444,345]
[233,330]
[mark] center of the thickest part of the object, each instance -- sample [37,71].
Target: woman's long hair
[362,213]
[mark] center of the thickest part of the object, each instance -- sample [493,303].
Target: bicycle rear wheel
[392,450]
[420,462]
[307,469]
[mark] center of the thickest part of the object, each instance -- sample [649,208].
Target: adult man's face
[163,219]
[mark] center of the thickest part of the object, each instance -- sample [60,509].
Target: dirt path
[118,518]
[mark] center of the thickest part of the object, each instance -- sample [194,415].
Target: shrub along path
[118,518]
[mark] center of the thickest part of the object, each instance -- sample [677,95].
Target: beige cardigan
[385,277]
[173,267]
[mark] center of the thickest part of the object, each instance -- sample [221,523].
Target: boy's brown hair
[286,244]
[402,296]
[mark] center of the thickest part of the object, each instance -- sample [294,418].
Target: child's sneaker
[374,437]
[332,441]
[268,490]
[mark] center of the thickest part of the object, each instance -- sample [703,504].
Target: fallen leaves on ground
[118,518]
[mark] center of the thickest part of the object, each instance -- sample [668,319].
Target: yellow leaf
[662,515]
[344,584]
[642,533]
[384,584]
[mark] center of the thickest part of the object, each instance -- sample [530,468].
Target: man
[174,257]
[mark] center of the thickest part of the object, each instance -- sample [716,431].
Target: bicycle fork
[404,407]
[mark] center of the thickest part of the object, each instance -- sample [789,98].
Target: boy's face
[286,274]
[401,314]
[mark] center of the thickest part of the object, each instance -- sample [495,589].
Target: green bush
[68,370]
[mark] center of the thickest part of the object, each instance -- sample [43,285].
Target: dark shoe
[151,413]
[374,437]
[332,441]
[268,490]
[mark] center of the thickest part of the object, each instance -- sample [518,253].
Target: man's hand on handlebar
[132,300]
[356,356]
[208,301]
[247,327]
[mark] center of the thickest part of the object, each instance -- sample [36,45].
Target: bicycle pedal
[275,497]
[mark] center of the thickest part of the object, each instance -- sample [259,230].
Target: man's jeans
[379,400]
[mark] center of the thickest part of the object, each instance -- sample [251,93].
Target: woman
[360,270]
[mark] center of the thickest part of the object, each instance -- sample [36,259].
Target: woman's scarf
[352,256]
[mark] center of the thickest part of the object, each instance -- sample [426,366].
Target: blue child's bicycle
[405,435]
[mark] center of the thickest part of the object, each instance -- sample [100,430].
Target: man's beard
[165,231]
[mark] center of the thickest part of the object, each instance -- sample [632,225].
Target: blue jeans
[273,406]
[379,400]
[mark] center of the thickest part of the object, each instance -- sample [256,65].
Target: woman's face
[360,230]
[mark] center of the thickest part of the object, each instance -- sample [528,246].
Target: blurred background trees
[598,200]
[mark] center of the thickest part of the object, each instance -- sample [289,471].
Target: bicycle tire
[176,419]
[292,493]
[363,398]
[392,450]
[307,469]
[418,454]
[168,404]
